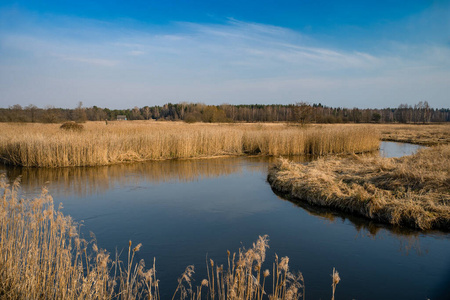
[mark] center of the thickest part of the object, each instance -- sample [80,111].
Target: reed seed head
[336,278]
[284,264]
[137,248]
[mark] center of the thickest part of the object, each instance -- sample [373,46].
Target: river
[183,210]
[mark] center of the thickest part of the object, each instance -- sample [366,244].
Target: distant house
[121,118]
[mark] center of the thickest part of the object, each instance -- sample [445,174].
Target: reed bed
[45,145]
[42,256]
[427,135]
[412,191]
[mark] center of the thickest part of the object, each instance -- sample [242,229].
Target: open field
[42,256]
[46,145]
[410,191]
[428,135]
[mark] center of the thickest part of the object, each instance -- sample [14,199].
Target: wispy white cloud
[89,60]
[136,53]
[236,62]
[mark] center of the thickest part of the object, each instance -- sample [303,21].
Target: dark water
[182,210]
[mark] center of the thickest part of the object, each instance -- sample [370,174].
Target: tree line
[198,112]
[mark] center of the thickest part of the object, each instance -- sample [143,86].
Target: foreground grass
[42,256]
[46,145]
[410,191]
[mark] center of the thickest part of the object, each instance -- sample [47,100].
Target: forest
[198,112]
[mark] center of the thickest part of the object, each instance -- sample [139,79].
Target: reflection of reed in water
[84,181]
[409,239]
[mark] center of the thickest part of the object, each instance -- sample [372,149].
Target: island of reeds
[428,135]
[101,143]
[42,256]
[412,191]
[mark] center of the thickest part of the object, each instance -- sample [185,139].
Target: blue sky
[121,54]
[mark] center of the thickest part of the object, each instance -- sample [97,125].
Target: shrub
[71,126]
[190,118]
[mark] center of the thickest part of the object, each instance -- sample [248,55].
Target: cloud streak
[235,62]
[93,61]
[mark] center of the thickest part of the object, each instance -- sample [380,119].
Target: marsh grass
[410,191]
[42,256]
[44,145]
[428,135]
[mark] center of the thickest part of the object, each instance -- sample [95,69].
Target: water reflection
[393,149]
[85,181]
[208,206]
[409,239]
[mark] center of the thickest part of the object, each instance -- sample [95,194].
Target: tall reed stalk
[42,256]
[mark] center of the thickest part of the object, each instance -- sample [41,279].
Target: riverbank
[46,145]
[412,191]
[421,134]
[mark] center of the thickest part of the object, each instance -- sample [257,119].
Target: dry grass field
[46,145]
[42,256]
[410,191]
[427,135]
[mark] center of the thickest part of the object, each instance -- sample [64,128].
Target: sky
[122,54]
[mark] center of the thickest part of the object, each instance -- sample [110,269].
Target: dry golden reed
[42,256]
[45,145]
[410,191]
[428,135]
